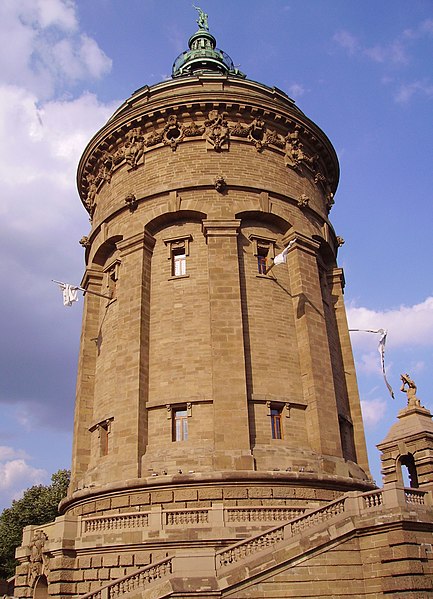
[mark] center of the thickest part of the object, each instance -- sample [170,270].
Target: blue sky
[361,70]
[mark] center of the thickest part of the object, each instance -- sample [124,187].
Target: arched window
[408,471]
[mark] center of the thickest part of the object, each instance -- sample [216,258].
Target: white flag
[282,258]
[70,294]
[381,349]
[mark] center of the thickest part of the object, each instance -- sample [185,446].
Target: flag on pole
[282,258]
[70,293]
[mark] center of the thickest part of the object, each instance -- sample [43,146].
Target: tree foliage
[38,505]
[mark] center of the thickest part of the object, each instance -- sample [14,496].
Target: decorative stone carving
[84,241]
[295,156]
[340,241]
[154,138]
[92,189]
[133,149]
[272,138]
[217,131]
[193,130]
[257,134]
[131,202]
[412,399]
[39,563]
[330,201]
[106,167]
[220,184]
[239,130]
[303,201]
[173,132]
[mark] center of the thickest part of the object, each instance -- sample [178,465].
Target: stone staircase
[210,573]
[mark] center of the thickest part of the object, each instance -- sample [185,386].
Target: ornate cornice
[145,124]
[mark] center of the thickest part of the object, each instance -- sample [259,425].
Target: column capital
[92,276]
[143,240]
[336,277]
[221,228]
[302,242]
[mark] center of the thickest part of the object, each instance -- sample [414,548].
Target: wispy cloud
[347,40]
[373,411]
[296,90]
[393,55]
[407,325]
[407,90]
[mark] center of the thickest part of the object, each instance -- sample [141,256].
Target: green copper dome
[203,55]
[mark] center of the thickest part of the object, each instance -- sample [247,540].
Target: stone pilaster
[316,371]
[92,281]
[336,282]
[232,446]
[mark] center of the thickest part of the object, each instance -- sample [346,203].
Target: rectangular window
[262,259]
[180,424]
[178,262]
[276,429]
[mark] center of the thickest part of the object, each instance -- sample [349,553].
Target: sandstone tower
[217,412]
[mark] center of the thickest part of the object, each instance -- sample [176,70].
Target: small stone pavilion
[219,448]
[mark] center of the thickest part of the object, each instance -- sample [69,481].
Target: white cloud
[423,29]
[296,90]
[406,91]
[46,46]
[373,411]
[393,53]
[16,475]
[407,325]
[369,363]
[347,41]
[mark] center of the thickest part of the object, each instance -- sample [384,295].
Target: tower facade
[217,426]
[205,363]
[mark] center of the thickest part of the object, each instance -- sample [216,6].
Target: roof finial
[202,20]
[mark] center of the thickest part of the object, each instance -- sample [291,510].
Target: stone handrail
[139,580]
[115,522]
[182,517]
[263,513]
[415,496]
[240,550]
[372,499]
[359,502]
[215,515]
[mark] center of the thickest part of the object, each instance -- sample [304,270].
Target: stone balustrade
[353,503]
[217,515]
[138,581]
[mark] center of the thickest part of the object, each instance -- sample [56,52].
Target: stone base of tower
[359,544]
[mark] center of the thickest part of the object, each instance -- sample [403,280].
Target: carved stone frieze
[173,132]
[216,131]
[193,130]
[238,130]
[156,137]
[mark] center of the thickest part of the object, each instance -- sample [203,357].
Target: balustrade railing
[137,581]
